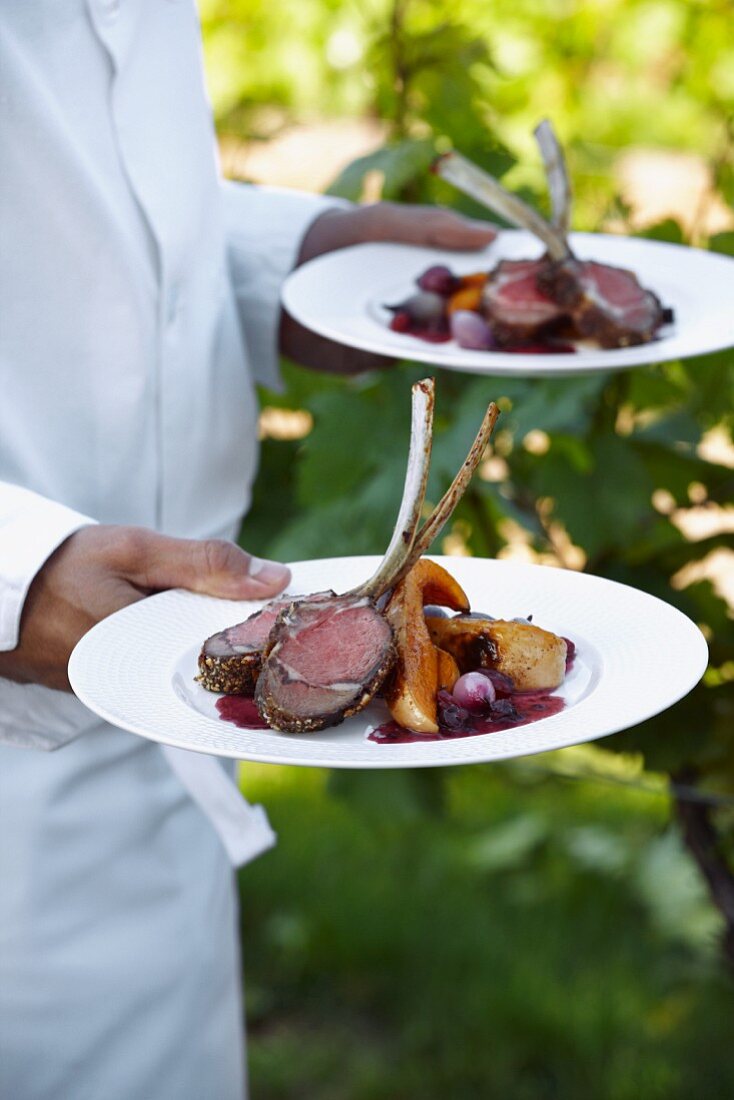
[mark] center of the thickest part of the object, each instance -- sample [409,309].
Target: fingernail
[268,572]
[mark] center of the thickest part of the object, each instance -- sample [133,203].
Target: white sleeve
[264,228]
[31,528]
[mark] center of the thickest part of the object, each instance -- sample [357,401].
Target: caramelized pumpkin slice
[467,297]
[475,278]
[534,659]
[448,671]
[438,588]
[411,694]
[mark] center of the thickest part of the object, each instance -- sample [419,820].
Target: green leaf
[655,387]
[507,845]
[668,230]
[393,796]
[397,164]
[677,428]
[712,387]
[676,468]
[264,521]
[607,508]
[557,405]
[723,242]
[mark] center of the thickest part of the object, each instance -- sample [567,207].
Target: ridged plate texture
[636,656]
[342,295]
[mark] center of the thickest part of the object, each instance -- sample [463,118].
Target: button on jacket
[138,300]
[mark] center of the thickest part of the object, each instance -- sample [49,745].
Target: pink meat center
[515,289]
[336,645]
[618,291]
[253,632]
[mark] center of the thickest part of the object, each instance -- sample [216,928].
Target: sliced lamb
[518,310]
[326,659]
[230,660]
[588,300]
[296,691]
[606,304]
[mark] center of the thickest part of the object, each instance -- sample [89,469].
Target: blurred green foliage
[609,72]
[624,71]
[612,442]
[551,943]
[539,939]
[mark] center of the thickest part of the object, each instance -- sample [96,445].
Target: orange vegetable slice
[476,278]
[533,658]
[411,694]
[448,671]
[467,298]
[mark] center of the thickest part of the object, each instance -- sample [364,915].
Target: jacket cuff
[31,528]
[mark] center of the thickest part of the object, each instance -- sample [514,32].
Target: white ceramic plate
[635,656]
[342,296]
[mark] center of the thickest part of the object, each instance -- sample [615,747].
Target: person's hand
[98,570]
[431,226]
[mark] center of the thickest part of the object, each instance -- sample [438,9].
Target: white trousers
[119,954]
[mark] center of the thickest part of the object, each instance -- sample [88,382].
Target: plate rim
[502,363]
[698,664]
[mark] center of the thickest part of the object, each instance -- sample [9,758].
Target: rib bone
[444,509]
[414,491]
[325,659]
[479,185]
[556,173]
[406,556]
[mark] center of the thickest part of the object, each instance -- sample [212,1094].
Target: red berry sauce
[241,711]
[528,706]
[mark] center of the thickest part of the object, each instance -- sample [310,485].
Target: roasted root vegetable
[468,297]
[476,278]
[534,659]
[448,670]
[413,688]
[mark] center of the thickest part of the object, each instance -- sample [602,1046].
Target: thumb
[451,230]
[430,226]
[213,567]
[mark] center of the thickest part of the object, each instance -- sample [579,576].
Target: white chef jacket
[138,298]
[125,395]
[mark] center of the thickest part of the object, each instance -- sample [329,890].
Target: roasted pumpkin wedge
[534,659]
[448,671]
[411,694]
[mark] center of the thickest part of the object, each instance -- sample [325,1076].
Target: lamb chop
[528,300]
[327,657]
[230,660]
[519,311]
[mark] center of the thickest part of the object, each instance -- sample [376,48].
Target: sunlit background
[539,929]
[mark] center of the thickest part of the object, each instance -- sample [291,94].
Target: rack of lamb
[313,661]
[559,295]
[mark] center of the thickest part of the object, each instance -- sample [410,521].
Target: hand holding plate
[98,570]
